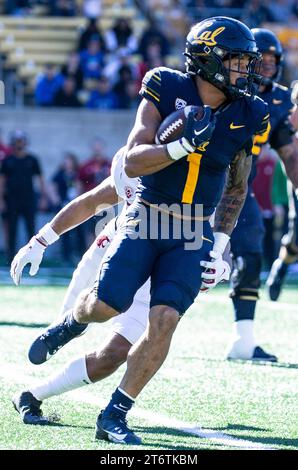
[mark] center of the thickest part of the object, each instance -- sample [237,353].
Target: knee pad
[245,278]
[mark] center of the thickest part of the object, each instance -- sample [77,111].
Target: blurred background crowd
[92,55]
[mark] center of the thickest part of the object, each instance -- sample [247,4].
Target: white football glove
[217,270]
[32,253]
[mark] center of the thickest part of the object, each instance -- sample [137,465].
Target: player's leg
[86,272]
[245,283]
[246,246]
[288,252]
[175,282]
[83,277]
[91,368]
[126,266]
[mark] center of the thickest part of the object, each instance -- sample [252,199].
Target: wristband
[48,234]
[220,241]
[179,148]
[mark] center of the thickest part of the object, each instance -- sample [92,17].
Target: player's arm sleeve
[282,134]
[263,122]
[152,86]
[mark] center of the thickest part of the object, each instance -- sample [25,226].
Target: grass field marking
[16,375]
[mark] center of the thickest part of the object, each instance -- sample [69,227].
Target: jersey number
[194,160]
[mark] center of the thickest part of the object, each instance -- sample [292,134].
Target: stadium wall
[53,131]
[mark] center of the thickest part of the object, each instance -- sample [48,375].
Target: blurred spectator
[154,59]
[92,173]
[280,201]
[91,31]
[47,86]
[73,69]
[262,186]
[66,96]
[94,170]
[255,13]
[120,59]
[126,89]
[92,8]
[92,59]
[153,35]
[62,7]
[280,11]
[66,188]
[17,193]
[121,36]
[102,97]
[17,7]
[4,149]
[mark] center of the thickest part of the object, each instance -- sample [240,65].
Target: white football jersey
[125,186]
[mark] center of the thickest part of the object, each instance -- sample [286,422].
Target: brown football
[172,127]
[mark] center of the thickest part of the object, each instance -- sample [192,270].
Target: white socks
[74,375]
[243,343]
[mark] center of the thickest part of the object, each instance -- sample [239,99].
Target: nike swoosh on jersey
[274,101]
[234,126]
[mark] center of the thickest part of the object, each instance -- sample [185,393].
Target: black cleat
[276,278]
[260,355]
[112,428]
[29,408]
[53,339]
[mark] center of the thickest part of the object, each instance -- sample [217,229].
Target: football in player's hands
[173,127]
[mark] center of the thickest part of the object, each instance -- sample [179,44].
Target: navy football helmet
[267,42]
[218,39]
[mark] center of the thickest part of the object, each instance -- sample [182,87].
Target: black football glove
[197,131]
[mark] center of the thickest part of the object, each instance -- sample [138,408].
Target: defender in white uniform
[126,328]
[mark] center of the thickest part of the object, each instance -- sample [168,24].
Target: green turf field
[196,401]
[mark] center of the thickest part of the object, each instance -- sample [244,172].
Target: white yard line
[16,374]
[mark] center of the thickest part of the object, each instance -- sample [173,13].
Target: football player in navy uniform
[176,179]
[289,245]
[247,238]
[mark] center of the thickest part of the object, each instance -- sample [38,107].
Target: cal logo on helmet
[208,37]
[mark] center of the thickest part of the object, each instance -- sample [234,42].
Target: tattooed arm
[289,156]
[216,267]
[234,194]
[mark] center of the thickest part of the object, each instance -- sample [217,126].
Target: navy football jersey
[279,131]
[199,178]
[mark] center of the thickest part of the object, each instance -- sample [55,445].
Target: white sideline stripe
[16,375]
[189,428]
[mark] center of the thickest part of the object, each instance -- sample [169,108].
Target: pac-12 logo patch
[180,103]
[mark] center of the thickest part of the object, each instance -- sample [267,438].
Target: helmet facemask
[210,66]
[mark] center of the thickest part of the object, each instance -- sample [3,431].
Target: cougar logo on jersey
[128,192]
[180,103]
[102,241]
